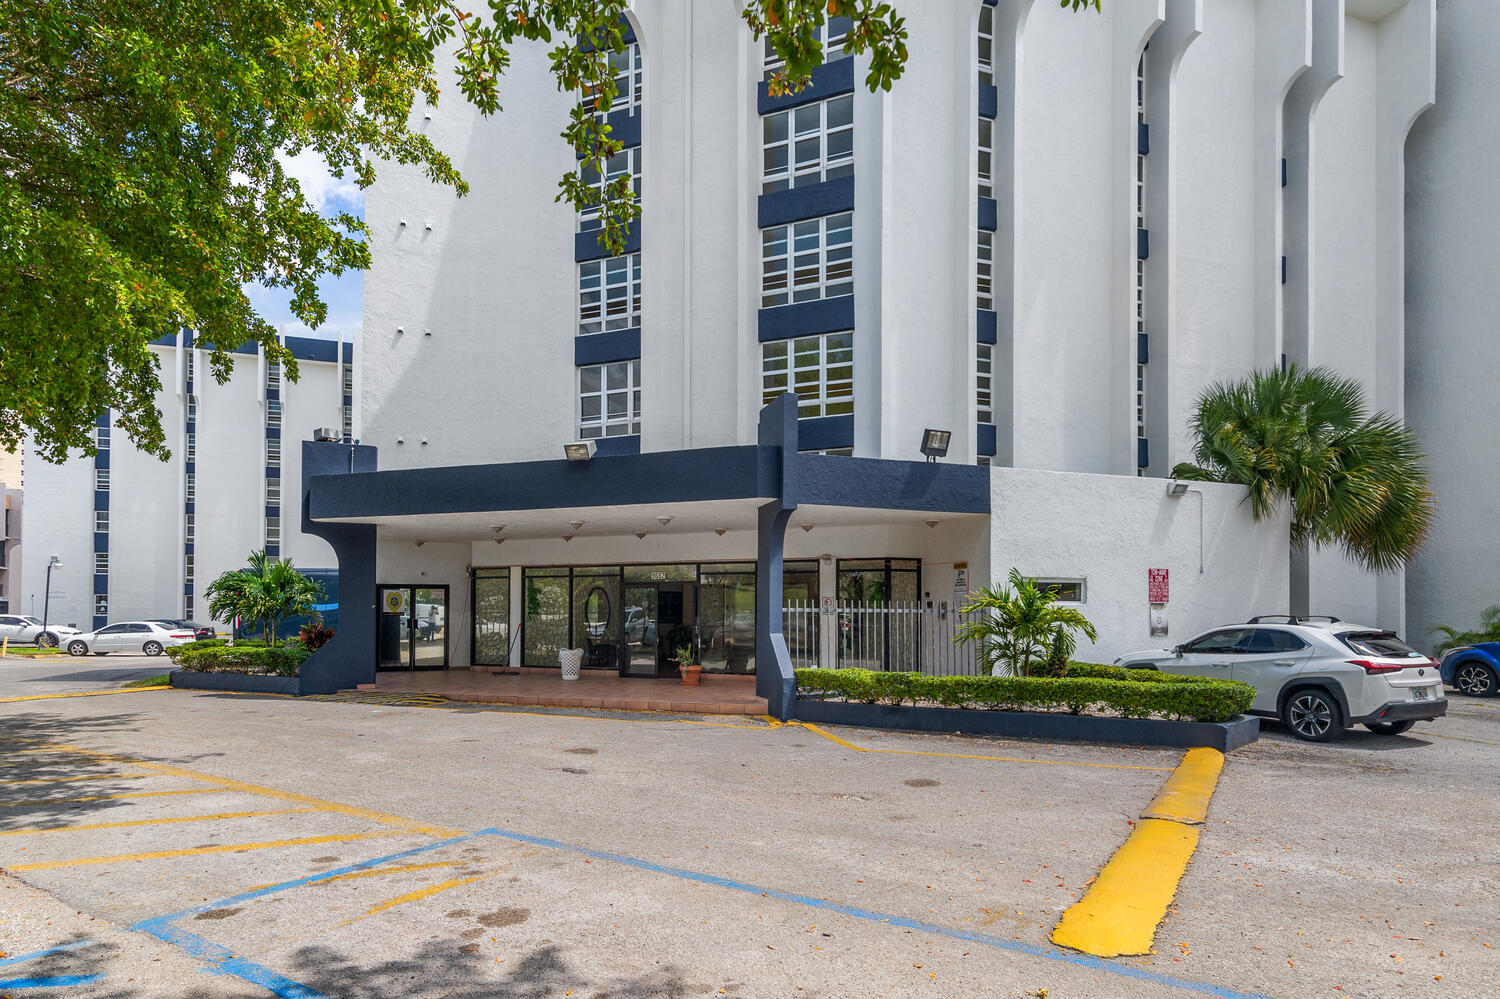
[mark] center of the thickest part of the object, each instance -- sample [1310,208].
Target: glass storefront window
[546,593]
[491,617]
[596,616]
[865,642]
[726,621]
[661,573]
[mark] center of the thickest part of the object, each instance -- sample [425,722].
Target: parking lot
[172,843]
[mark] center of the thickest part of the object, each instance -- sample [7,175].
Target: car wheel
[78,649]
[1475,679]
[1312,715]
[152,648]
[46,640]
[1391,727]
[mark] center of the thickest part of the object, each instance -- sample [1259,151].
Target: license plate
[1420,693]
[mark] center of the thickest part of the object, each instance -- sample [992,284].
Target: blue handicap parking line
[54,982]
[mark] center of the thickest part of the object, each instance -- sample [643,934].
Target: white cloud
[325,192]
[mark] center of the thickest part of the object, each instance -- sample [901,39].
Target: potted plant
[691,672]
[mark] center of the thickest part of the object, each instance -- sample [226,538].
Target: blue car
[1473,669]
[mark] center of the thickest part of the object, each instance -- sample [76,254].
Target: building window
[273,374]
[188,529]
[192,488]
[1065,591]
[187,607]
[101,521]
[819,370]
[806,261]
[191,451]
[348,380]
[984,383]
[192,409]
[836,452]
[984,277]
[809,144]
[273,492]
[609,294]
[609,400]
[273,530]
[101,438]
[273,412]
[101,478]
[187,568]
[101,563]
[831,33]
[630,89]
[101,605]
[625,163]
[986,158]
[1139,326]
[273,451]
[986,44]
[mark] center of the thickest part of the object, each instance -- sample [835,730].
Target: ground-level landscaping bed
[246,666]
[1090,704]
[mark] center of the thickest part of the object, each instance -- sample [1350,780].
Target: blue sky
[343,294]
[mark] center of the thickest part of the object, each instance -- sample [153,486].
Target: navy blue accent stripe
[989,101]
[273,433]
[826,315]
[348,352]
[817,433]
[273,510]
[586,244]
[985,439]
[1142,452]
[625,126]
[1283,268]
[273,550]
[1283,171]
[809,202]
[614,447]
[101,499]
[165,340]
[989,214]
[102,420]
[101,459]
[627,35]
[348,400]
[1142,348]
[1142,243]
[100,620]
[101,542]
[273,472]
[987,326]
[1143,139]
[273,392]
[601,348]
[187,548]
[189,506]
[101,584]
[829,80]
[187,589]
[305,348]
[191,467]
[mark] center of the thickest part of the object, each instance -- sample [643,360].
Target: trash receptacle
[571,660]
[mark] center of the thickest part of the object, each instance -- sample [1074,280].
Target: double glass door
[658,621]
[413,627]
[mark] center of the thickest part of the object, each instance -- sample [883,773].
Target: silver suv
[1319,675]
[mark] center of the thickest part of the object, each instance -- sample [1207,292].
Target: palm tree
[1489,631]
[1353,480]
[1014,626]
[270,591]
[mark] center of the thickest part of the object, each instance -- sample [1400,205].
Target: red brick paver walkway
[728,695]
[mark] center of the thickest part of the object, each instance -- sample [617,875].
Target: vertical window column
[190,473]
[273,458]
[986,322]
[1142,251]
[101,521]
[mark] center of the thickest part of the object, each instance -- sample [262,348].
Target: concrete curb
[239,683]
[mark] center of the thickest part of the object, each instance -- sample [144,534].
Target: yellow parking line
[229,784]
[1458,738]
[969,756]
[82,693]
[1185,795]
[167,820]
[382,871]
[1119,913]
[413,896]
[60,780]
[99,797]
[50,865]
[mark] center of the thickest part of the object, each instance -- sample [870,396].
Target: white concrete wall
[1452,255]
[146,517]
[59,521]
[1110,529]
[433,564]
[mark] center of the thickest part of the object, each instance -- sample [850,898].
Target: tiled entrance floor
[728,695]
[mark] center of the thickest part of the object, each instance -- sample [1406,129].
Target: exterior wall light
[1177,490]
[720,531]
[932,523]
[663,521]
[807,528]
[640,535]
[567,537]
[575,524]
[580,450]
[935,443]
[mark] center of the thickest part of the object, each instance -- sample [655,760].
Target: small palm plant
[1016,629]
[269,591]
[1488,631]
[1354,480]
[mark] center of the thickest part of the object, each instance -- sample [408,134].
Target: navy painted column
[774,677]
[349,657]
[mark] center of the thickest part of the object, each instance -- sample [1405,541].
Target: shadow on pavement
[39,786]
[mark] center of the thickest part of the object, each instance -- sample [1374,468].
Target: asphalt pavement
[192,844]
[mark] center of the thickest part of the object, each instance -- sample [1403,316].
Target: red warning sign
[1156,585]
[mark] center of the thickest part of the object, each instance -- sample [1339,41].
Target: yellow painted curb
[81,693]
[1120,912]
[1185,795]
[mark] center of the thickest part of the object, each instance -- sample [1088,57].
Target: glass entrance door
[640,638]
[412,628]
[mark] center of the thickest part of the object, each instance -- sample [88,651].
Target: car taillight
[1374,668]
[177,634]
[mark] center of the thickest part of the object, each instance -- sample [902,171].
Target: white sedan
[24,628]
[150,637]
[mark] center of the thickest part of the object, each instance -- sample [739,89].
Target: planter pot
[691,675]
[244,683]
[571,661]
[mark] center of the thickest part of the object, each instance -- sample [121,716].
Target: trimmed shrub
[314,636]
[242,657]
[1087,689]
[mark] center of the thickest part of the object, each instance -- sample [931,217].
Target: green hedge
[213,656]
[1087,689]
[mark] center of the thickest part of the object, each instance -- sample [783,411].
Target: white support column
[517,615]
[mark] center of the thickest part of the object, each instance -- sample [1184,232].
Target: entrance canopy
[345,500]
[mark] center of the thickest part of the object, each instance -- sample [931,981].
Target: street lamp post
[53,563]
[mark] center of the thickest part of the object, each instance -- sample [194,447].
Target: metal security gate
[896,637]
